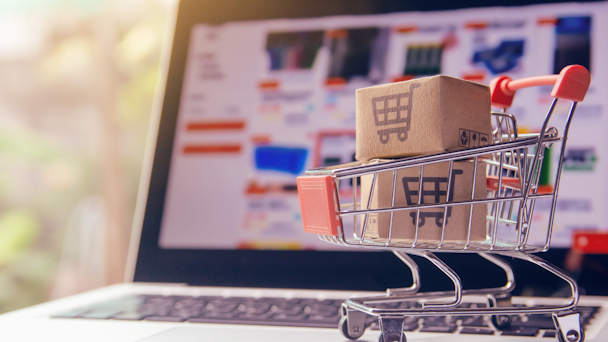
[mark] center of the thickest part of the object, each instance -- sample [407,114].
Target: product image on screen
[573,42]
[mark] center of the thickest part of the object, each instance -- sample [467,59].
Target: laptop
[252,94]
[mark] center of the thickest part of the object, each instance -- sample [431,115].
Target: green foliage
[18,230]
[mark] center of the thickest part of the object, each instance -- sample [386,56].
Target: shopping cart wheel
[394,339]
[501,322]
[352,335]
[571,337]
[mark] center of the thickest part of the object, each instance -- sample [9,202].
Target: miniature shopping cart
[512,188]
[392,113]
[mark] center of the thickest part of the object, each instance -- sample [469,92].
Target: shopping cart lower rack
[512,165]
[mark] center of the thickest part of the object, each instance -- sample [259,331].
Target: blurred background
[78,78]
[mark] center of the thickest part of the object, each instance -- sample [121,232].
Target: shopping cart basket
[513,167]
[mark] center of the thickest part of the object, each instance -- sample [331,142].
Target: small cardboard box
[422,116]
[435,184]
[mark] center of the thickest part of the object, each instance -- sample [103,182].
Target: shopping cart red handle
[572,83]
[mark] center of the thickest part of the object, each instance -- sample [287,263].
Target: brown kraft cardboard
[435,184]
[421,116]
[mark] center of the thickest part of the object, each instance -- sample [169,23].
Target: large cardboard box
[435,184]
[421,116]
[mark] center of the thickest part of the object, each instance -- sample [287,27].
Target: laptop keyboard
[300,312]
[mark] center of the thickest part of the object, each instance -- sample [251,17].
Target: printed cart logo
[472,138]
[435,194]
[393,114]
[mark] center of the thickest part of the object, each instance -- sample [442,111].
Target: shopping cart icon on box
[436,193]
[394,113]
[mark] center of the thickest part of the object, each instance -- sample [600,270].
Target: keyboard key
[256,316]
[550,333]
[223,307]
[478,331]
[254,309]
[222,315]
[447,328]
[438,321]
[411,326]
[323,318]
[185,312]
[129,316]
[534,321]
[474,321]
[290,309]
[285,317]
[161,301]
[587,313]
[154,310]
[99,314]
[521,331]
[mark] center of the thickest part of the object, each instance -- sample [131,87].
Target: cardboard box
[435,183]
[422,116]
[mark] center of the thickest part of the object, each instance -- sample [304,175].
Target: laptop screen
[262,101]
[253,100]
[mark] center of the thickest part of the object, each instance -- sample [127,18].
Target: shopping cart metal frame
[513,162]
